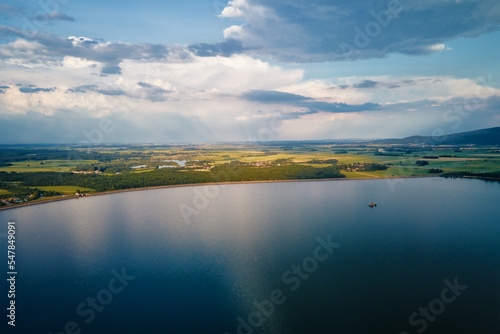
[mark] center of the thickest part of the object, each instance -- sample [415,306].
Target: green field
[47,166]
[403,165]
[399,162]
[4,192]
[66,189]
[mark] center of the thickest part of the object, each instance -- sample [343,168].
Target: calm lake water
[301,257]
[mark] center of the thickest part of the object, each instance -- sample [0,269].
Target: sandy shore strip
[67,197]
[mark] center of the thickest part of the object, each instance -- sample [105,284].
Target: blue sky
[204,71]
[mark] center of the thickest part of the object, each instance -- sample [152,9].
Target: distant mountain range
[489,136]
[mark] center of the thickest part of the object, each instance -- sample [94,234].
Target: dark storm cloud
[224,49]
[31,89]
[323,30]
[366,84]
[112,92]
[83,89]
[296,31]
[111,69]
[267,96]
[153,93]
[274,97]
[111,54]
[53,16]
[145,85]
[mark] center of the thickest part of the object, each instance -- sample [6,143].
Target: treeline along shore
[26,185]
[110,192]
[161,177]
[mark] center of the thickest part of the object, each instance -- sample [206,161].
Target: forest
[28,173]
[23,184]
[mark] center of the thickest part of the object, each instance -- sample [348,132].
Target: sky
[99,72]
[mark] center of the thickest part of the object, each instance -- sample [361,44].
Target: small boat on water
[371,205]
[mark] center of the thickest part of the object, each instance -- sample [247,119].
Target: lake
[293,257]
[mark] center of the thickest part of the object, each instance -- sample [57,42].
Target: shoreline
[111,192]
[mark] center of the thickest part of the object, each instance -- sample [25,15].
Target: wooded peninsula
[36,173]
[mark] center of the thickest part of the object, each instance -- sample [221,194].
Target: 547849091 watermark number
[11,273]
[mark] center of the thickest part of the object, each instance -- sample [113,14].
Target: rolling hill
[489,136]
